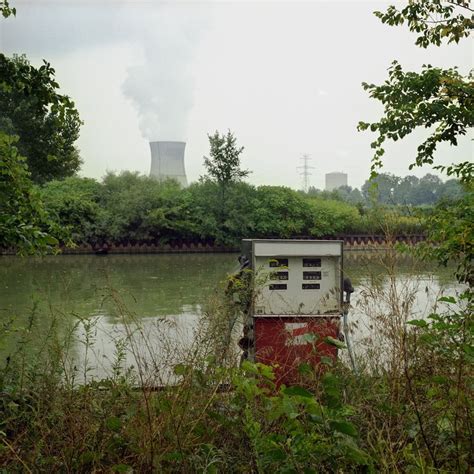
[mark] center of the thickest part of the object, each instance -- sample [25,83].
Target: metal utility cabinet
[297,302]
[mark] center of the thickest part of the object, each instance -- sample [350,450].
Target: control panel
[296,277]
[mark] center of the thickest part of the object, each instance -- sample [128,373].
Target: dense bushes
[330,217]
[134,208]
[279,212]
[24,224]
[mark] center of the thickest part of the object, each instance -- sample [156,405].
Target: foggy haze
[285,77]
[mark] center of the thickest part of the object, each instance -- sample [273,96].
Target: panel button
[311,275]
[279,276]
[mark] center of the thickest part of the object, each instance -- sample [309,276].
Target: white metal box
[297,277]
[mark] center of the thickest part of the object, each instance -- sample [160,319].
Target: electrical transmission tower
[305,171]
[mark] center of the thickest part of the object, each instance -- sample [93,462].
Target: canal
[94,305]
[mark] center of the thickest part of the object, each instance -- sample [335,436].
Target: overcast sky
[285,77]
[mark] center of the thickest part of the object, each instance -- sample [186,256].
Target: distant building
[167,161]
[335,180]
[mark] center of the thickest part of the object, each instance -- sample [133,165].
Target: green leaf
[289,408]
[310,337]
[250,367]
[357,455]
[420,323]
[266,371]
[305,369]
[343,427]
[327,361]
[447,299]
[50,240]
[276,454]
[334,342]
[180,369]
[122,468]
[113,423]
[173,456]
[296,391]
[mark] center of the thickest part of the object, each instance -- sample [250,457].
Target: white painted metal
[301,248]
[287,295]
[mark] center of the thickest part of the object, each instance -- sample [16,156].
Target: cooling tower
[335,180]
[167,161]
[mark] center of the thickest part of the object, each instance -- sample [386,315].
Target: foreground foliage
[407,415]
[438,355]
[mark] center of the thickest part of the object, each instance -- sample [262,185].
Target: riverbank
[351,242]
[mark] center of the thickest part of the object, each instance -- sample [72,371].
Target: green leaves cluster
[433,20]
[125,208]
[6,10]
[440,98]
[24,224]
[410,190]
[46,122]
[293,429]
[223,168]
[441,371]
[435,97]
[451,236]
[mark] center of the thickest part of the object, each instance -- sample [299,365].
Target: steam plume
[161,88]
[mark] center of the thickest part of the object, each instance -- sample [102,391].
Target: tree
[24,224]
[433,20]
[74,204]
[329,217]
[46,122]
[442,101]
[280,212]
[386,185]
[140,208]
[223,165]
[349,194]
[427,191]
[435,98]
[451,190]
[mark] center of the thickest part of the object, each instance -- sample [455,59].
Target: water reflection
[150,285]
[156,300]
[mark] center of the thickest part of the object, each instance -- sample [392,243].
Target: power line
[305,173]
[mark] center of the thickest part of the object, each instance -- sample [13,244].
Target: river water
[89,302]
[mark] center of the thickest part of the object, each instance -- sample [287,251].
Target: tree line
[387,188]
[221,208]
[129,207]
